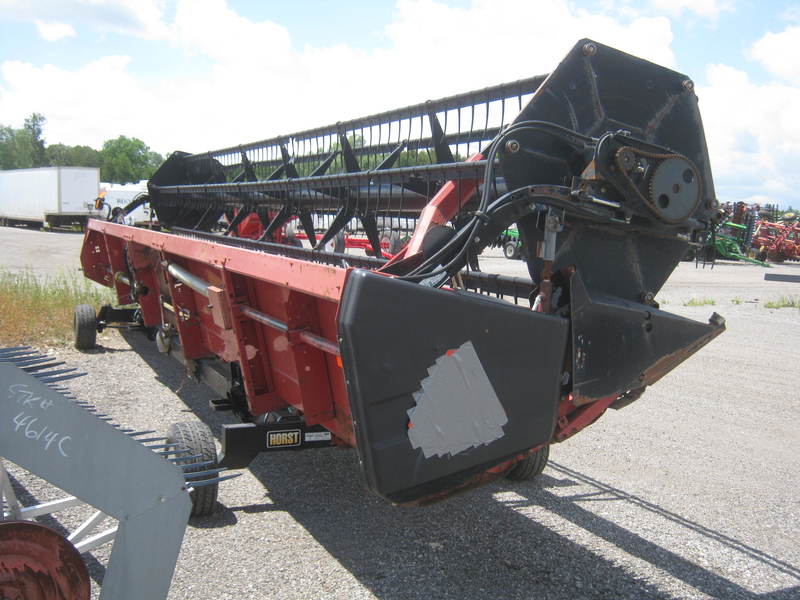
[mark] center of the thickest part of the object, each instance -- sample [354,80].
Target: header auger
[602,165]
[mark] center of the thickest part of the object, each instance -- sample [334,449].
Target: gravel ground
[690,492]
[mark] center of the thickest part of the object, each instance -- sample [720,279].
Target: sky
[195,75]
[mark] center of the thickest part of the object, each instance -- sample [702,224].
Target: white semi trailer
[49,196]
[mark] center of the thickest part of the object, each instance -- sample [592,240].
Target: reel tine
[197,484]
[192,457]
[134,434]
[207,463]
[193,474]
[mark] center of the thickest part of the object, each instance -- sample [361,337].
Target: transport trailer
[49,196]
[440,375]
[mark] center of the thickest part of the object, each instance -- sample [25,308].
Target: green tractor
[728,241]
[511,243]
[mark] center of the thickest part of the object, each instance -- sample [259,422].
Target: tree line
[121,160]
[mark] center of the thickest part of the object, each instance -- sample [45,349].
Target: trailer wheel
[197,438]
[511,250]
[84,326]
[530,466]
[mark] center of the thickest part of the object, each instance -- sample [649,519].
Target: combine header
[441,375]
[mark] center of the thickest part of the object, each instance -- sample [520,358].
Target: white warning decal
[456,406]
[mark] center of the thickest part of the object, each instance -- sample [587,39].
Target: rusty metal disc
[37,563]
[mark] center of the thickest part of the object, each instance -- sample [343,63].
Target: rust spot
[666,363]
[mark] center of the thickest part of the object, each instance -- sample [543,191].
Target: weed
[783,302]
[700,302]
[39,310]
[736,300]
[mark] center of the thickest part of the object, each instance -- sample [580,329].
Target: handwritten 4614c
[25,423]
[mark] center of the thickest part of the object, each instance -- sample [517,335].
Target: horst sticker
[456,406]
[282,439]
[317,436]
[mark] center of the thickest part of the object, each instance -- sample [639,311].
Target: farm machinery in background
[749,234]
[440,375]
[779,240]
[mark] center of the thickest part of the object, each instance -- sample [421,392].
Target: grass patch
[700,302]
[736,300]
[39,310]
[783,302]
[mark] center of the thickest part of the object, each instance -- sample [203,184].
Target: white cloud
[778,53]
[753,135]
[140,18]
[708,9]
[52,32]
[259,84]
[93,103]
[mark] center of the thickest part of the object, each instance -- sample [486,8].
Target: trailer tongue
[420,361]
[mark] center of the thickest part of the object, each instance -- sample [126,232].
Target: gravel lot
[690,492]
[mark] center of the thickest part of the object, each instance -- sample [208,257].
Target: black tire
[530,466]
[511,250]
[197,438]
[84,327]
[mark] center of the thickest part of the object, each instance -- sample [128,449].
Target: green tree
[61,155]
[7,154]
[34,128]
[127,160]
[23,148]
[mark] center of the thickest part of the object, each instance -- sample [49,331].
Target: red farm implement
[441,375]
[778,241]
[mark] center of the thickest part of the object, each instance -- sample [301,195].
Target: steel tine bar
[192,457]
[172,452]
[152,439]
[23,364]
[15,356]
[155,446]
[13,349]
[193,474]
[62,377]
[197,465]
[138,433]
[56,372]
[197,484]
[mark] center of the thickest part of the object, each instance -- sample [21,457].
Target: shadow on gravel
[473,545]
[223,516]
[100,349]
